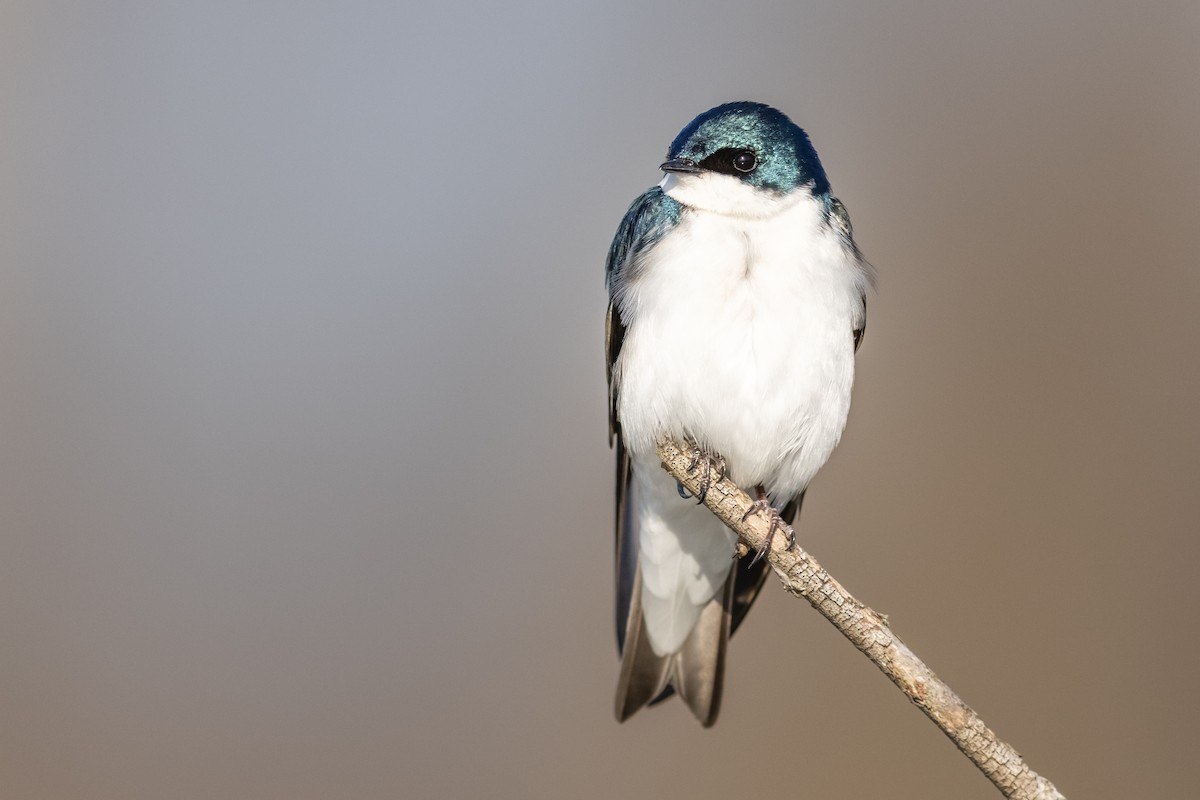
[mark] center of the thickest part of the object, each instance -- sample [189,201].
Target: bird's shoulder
[651,216]
[839,220]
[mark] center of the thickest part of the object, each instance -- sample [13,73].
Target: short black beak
[685,165]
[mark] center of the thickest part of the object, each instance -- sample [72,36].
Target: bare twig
[804,577]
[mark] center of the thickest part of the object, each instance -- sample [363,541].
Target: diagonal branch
[804,577]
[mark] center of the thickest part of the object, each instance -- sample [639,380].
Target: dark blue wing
[651,216]
[647,220]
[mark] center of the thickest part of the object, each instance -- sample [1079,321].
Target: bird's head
[743,159]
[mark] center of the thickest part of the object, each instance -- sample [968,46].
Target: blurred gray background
[304,480]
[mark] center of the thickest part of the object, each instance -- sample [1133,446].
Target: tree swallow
[737,299]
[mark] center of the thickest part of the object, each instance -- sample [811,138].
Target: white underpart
[738,336]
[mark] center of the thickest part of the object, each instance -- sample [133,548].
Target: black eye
[745,161]
[736,161]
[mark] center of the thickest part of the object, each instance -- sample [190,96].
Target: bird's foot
[711,463]
[763,506]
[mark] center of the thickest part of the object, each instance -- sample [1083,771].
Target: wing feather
[649,217]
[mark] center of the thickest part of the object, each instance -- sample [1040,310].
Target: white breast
[738,335]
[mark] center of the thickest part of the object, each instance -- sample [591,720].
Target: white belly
[738,335]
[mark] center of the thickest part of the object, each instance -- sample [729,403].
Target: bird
[736,304]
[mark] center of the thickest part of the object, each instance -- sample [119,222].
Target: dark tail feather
[698,669]
[643,673]
[696,672]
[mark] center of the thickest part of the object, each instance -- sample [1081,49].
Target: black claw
[682,491]
[757,507]
[711,462]
[766,548]
[763,504]
[717,462]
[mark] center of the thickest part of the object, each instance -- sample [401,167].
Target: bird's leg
[712,461]
[759,506]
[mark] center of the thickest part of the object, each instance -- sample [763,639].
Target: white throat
[725,194]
